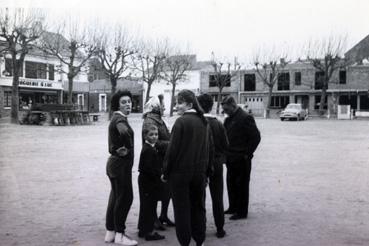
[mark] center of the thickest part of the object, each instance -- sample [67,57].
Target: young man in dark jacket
[216,179]
[186,164]
[244,137]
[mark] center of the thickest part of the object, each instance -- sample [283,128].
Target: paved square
[310,186]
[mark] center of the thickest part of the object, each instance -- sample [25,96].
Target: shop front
[31,91]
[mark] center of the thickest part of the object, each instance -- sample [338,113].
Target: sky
[228,28]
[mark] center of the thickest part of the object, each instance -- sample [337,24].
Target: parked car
[293,111]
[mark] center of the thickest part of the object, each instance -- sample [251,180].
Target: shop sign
[42,84]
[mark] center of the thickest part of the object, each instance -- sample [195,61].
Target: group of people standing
[178,165]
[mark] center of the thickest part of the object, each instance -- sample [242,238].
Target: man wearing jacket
[244,137]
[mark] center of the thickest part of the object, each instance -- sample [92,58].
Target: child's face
[152,136]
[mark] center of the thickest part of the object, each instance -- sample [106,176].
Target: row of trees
[122,56]
[119,55]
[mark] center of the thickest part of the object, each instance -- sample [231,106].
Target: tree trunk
[322,101]
[219,99]
[172,99]
[267,111]
[70,89]
[148,92]
[15,99]
[113,90]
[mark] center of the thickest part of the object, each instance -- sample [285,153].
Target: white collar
[190,111]
[152,145]
[120,112]
[209,115]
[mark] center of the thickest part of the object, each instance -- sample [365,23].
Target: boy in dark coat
[216,179]
[149,184]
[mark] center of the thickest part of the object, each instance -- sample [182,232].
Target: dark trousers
[238,180]
[216,193]
[165,199]
[120,200]
[148,190]
[188,196]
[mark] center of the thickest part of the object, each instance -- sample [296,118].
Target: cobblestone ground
[310,186]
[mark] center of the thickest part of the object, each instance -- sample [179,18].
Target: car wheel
[282,119]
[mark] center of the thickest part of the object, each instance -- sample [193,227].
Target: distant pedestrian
[149,184]
[216,179]
[186,165]
[244,137]
[153,114]
[119,169]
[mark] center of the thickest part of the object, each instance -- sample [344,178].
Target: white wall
[191,83]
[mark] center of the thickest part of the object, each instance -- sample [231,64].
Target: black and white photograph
[184,122]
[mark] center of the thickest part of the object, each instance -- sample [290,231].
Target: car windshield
[293,106]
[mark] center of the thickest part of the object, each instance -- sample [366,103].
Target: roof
[359,52]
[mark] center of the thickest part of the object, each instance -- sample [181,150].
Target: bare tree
[223,74]
[19,28]
[326,56]
[268,68]
[149,62]
[114,53]
[174,71]
[73,44]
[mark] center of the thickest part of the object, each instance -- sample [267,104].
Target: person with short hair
[119,169]
[216,179]
[149,184]
[186,166]
[244,137]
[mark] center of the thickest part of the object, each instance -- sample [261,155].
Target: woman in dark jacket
[153,112]
[186,166]
[119,169]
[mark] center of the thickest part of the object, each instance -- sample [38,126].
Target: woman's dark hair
[189,97]
[114,103]
[206,102]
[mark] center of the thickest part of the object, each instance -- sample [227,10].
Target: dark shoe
[166,221]
[229,211]
[154,237]
[141,234]
[159,226]
[220,233]
[237,217]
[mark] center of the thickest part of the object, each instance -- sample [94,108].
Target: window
[223,78]
[279,101]
[9,68]
[342,76]
[283,81]
[319,80]
[51,72]
[35,70]
[7,98]
[297,78]
[317,102]
[249,82]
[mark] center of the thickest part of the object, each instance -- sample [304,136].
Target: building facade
[38,83]
[41,81]
[100,94]
[298,82]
